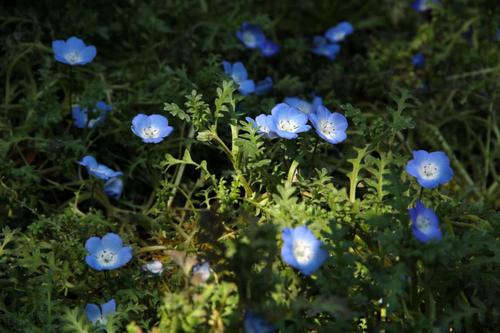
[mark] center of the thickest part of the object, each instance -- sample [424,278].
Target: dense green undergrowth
[217,191]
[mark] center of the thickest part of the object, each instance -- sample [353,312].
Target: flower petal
[88,54]
[93,313]
[112,242]
[74,44]
[108,308]
[93,244]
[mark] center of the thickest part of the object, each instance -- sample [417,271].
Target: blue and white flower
[302,250]
[251,35]
[424,223]
[107,253]
[113,188]
[264,86]
[99,314]
[424,5]
[98,170]
[254,323]
[325,49]
[154,267]
[339,32]
[151,129]
[329,126]
[303,105]
[202,272]
[85,119]
[73,52]
[261,123]
[269,48]
[430,169]
[418,60]
[287,121]
[239,74]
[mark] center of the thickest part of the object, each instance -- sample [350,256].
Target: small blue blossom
[251,35]
[98,170]
[424,5]
[73,51]
[154,267]
[269,48]
[202,272]
[99,314]
[254,323]
[261,123]
[302,250]
[287,121]
[424,223]
[329,126]
[303,105]
[107,253]
[418,60]
[430,169]
[339,32]
[325,49]
[151,129]
[113,188]
[239,74]
[83,119]
[264,86]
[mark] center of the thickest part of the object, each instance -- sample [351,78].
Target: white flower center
[339,35]
[326,127]
[302,251]
[429,170]
[73,57]
[102,320]
[287,125]
[150,132]
[249,38]
[106,257]
[423,224]
[425,5]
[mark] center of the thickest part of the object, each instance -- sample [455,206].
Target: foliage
[215,190]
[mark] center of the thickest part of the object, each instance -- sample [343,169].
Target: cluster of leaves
[217,191]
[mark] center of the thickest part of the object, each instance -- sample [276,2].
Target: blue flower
[239,74]
[329,126]
[98,314]
[430,169]
[325,49]
[418,60]
[202,272]
[107,253]
[269,48]
[339,32]
[303,105]
[251,35]
[98,170]
[424,5]
[287,121]
[73,51]
[302,250]
[254,323]
[151,129]
[261,123]
[97,116]
[113,188]
[264,86]
[424,223]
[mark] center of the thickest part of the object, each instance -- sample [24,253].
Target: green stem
[233,160]
[180,172]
